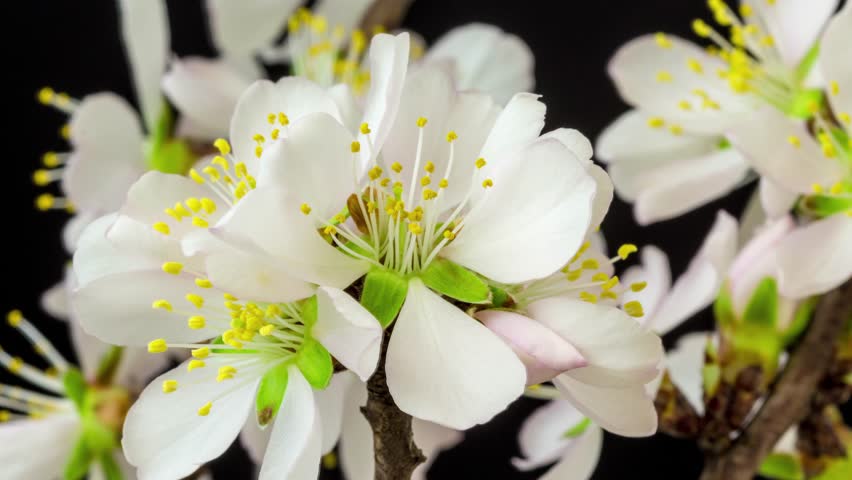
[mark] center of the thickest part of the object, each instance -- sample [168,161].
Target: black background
[74,46]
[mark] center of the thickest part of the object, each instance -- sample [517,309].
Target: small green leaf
[108,365]
[315,363]
[801,319]
[821,206]
[172,156]
[762,308]
[723,307]
[577,429]
[78,463]
[110,467]
[781,466]
[75,387]
[270,394]
[711,375]
[309,311]
[455,281]
[383,295]
[499,297]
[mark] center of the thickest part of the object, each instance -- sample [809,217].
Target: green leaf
[315,363]
[455,281]
[762,308]
[710,376]
[383,295]
[309,312]
[270,394]
[577,429]
[75,387]
[111,469]
[78,463]
[781,466]
[806,64]
[108,365]
[801,319]
[723,307]
[821,206]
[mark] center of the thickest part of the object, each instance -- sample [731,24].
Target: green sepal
[315,363]
[270,394]
[711,375]
[455,281]
[801,319]
[108,365]
[781,466]
[383,295]
[75,387]
[577,429]
[806,64]
[723,307]
[110,467]
[172,156]
[309,312]
[821,206]
[801,106]
[762,308]
[78,463]
[499,297]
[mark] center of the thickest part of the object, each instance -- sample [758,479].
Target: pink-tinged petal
[628,412]
[684,364]
[432,439]
[816,258]
[432,339]
[757,260]
[544,353]
[349,332]
[542,437]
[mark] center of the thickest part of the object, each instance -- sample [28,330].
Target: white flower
[682,91]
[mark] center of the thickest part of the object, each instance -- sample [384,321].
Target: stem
[790,401]
[396,454]
[385,13]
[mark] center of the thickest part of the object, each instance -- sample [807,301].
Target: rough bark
[790,401]
[386,14]
[396,454]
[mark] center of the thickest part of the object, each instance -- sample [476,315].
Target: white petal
[166,438]
[618,350]
[578,143]
[254,440]
[315,164]
[350,108]
[431,439]
[241,28]
[603,195]
[518,125]
[656,273]
[74,228]
[145,31]
[349,332]
[96,256]
[117,308]
[54,301]
[108,143]
[432,339]
[678,187]
[255,277]
[685,363]
[296,442]
[757,260]
[330,404]
[486,59]
[834,54]
[38,448]
[205,90]
[356,443]
[635,69]
[764,139]
[511,241]
[293,96]
[628,412]
[581,458]
[816,258]
[271,219]
[698,286]
[89,350]
[795,26]
[138,367]
[542,437]
[343,13]
[776,200]
[388,65]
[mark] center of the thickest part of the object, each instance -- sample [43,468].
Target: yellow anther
[365,128]
[209,206]
[202,352]
[14,318]
[684,105]
[161,305]
[487,183]
[258,151]
[443,183]
[221,161]
[421,122]
[50,159]
[634,309]
[193,174]
[222,145]
[844,117]
[194,204]
[451,136]
[834,87]
[767,41]
[745,10]
[449,235]
[662,40]
[229,297]
[161,227]
[5,416]
[676,129]
[41,177]
[275,133]
[45,201]
[480,162]
[425,181]
[429,194]
[195,364]
[836,189]
[271,118]
[600,277]
[609,294]
[157,346]
[695,65]
[173,268]
[15,365]
[794,141]
[196,322]
[200,222]
[415,228]
[355,147]
[590,264]
[701,28]
[330,230]
[588,297]
[46,95]
[611,283]
[173,214]
[283,119]
[329,461]
[429,167]
[226,373]
[625,250]
[638,286]
[664,76]
[195,299]
[169,386]
[656,122]
[65,131]
[375,172]
[573,275]
[751,29]
[267,330]
[205,409]
[817,188]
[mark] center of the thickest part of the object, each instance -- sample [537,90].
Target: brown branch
[386,14]
[790,401]
[396,454]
